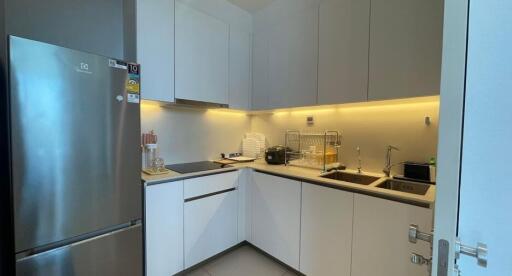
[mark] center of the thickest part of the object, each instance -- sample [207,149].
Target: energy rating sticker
[133,83]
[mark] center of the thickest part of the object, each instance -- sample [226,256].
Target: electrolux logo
[83,68]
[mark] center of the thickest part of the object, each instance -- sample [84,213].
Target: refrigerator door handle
[32,253]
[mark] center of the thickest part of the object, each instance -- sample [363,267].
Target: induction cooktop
[196,167]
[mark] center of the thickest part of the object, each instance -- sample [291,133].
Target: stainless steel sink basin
[351,177]
[405,186]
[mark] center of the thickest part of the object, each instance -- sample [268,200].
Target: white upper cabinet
[239,69]
[155,49]
[286,54]
[201,56]
[343,51]
[405,48]
[260,74]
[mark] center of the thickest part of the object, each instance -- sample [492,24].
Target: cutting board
[241,159]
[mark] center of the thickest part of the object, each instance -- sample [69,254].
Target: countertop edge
[426,201]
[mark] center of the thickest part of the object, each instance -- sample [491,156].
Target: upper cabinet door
[239,69]
[293,59]
[343,51]
[202,46]
[259,93]
[155,49]
[286,54]
[405,48]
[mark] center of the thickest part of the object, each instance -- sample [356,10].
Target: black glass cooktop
[196,167]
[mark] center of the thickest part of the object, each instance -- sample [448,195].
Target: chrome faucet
[387,168]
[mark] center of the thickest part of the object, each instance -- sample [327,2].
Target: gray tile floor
[243,261]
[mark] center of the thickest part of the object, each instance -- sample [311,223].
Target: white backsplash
[371,128]
[188,135]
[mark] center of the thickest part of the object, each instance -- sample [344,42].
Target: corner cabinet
[276,217]
[405,48]
[240,76]
[380,237]
[326,231]
[164,228]
[155,49]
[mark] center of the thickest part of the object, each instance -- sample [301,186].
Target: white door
[276,217]
[326,231]
[164,228]
[484,140]
[379,243]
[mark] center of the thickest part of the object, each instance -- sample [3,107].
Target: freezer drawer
[112,254]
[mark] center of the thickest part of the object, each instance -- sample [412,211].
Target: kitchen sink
[351,177]
[405,186]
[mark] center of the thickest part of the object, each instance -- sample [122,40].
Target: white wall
[370,126]
[189,135]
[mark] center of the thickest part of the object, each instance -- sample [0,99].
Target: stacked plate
[253,145]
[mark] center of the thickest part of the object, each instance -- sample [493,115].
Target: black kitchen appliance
[417,171]
[196,167]
[275,155]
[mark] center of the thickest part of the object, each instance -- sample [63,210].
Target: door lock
[420,260]
[479,252]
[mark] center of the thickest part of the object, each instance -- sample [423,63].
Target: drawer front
[210,226]
[200,186]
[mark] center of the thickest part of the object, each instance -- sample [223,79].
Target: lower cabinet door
[380,244]
[326,231]
[210,226]
[276,217]
[164,229]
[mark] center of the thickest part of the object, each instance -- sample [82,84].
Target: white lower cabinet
[314,229]
[326,231]
[380,240]
[276,217]
[164,229]
[211,226]
[244,205]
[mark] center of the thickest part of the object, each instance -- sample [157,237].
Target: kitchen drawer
[210,184]
[210,226]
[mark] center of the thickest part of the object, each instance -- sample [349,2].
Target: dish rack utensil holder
[317,150]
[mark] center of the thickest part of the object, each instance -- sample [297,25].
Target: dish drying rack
[316,150]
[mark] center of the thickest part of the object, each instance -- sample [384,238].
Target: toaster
[275,155]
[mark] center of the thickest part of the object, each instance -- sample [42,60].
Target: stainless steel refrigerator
[75,144]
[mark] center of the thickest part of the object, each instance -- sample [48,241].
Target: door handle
[479,252]
[415,234]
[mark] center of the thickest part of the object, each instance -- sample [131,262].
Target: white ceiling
[251,5]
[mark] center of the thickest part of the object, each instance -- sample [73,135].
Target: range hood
[194,103]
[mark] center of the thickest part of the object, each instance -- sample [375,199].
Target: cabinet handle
[209,195]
